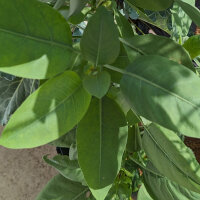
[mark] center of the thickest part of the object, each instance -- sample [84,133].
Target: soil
[23,173]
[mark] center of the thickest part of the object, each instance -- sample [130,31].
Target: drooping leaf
[190,10]
[76,6]
[154,5]
[181,22]
[167,92]
[51,111]
[161,188]
[192,45]
[178,161]
[103,142]
[100,43]
[159,45]
[35,40]
[12,94]
[143,194]
[98,84]
[66,140]
[68,168]
[60,188]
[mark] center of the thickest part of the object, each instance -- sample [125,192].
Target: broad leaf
[35,39]
[190,10]
[68,168]
[12,94]
[143,194]
[76,6]
[155,5]
[167,92]
[51,111]
[98,84]
[100,194]
[192,45]
[178,161]
[158,45]
[66,140]
[101,146]
[162,188]
[100,43]
[60,188]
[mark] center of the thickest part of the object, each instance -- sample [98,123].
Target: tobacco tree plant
[82,74]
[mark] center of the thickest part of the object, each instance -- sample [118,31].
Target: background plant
[96,82]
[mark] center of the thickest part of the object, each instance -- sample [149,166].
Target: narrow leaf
[102,144]
[51,111]
[100,43]
[167,92]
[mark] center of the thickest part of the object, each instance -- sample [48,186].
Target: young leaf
[192,45]
[63,189]
[159,45]
[178,161]
[97,85]
[162,188]
[154,5]
[35,44]
[12,94]
[51,111]
[103,143]
[100,43]
[166,91]
[190,10]
[68,168]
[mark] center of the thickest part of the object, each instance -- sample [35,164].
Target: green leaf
[134,142]
[68,168]
[192,45]
[181,22]
[76,6]
[103,143]
[51,111]
[100,194]
[167,92]
[60,188]
[178,161]
[162,188]
[143,194]
[66,140]
[100,43]
[154,5]
[35,40]
[190,10]
[124,26]
[98,84]
[131,118]
[159,45]
[12,94]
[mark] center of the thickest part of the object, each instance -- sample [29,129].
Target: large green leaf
[60,188]
[178,161]
[12,94]
[190,10]
[35,39]
[68,168]
[192,45]
[167,92]
[98,84]
[101,146]
[159,45]
[162,188]
[51,111]
[100,43]
[155,5]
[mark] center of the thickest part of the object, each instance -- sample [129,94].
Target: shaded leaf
[76,6]
[178,161]
[103,143]
[166,91]
[100,43]
[35,40]
[51,111]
